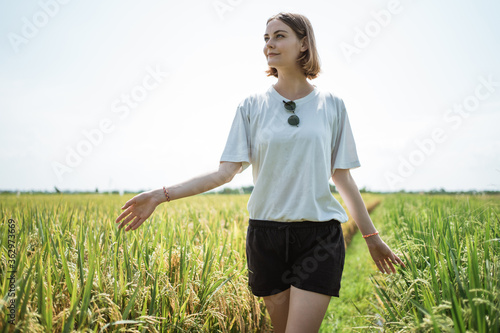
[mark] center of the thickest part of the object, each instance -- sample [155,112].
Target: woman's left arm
[381,253]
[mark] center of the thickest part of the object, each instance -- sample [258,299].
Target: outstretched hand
[383,256]
[140,208]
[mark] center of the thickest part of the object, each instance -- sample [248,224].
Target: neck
[292,85]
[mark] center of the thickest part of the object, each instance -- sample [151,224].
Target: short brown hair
[309,59]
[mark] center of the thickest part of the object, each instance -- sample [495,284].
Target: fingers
[391,266]
[135,224]
[379,266]
[132,225]
[128,207]
[396,260]
[384,258]
[122,215]
[399,261]
[386,265]
[127,220]
[129,203]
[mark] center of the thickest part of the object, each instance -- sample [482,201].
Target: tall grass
[183,270]
[452,279]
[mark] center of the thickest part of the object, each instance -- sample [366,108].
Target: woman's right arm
[200,184]
[140,207]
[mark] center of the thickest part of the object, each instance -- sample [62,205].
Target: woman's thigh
[306,311]
[277,306]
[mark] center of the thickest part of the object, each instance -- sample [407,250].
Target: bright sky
[128,95]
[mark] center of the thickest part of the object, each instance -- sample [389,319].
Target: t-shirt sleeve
[344,154]
[238,144]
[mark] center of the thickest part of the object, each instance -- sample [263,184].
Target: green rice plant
[451,246]
[184,270]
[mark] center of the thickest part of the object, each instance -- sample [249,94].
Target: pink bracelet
[366,236]
[166,193]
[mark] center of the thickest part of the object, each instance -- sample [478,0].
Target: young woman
[296,137]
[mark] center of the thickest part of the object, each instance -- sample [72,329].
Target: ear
[304,45]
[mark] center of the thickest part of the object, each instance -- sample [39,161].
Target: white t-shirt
[292,164]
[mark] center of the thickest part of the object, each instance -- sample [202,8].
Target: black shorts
[308,255]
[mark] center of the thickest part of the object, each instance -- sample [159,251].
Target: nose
[268,48]
[269,44]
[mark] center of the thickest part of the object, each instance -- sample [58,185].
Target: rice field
[452,279]
[181,271]
[66,267]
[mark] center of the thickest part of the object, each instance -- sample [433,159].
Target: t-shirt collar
[299,101]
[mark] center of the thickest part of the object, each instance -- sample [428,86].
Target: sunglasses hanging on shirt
[293,119]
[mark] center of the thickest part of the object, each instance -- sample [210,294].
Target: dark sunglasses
[293,120]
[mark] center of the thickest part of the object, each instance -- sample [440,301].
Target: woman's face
[282,47]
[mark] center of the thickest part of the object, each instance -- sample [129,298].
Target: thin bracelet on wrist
[369,235]
[166,193]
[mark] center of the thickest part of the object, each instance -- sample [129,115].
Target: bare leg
[306,312]
[277,306]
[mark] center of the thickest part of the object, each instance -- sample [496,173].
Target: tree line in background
[246,190]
